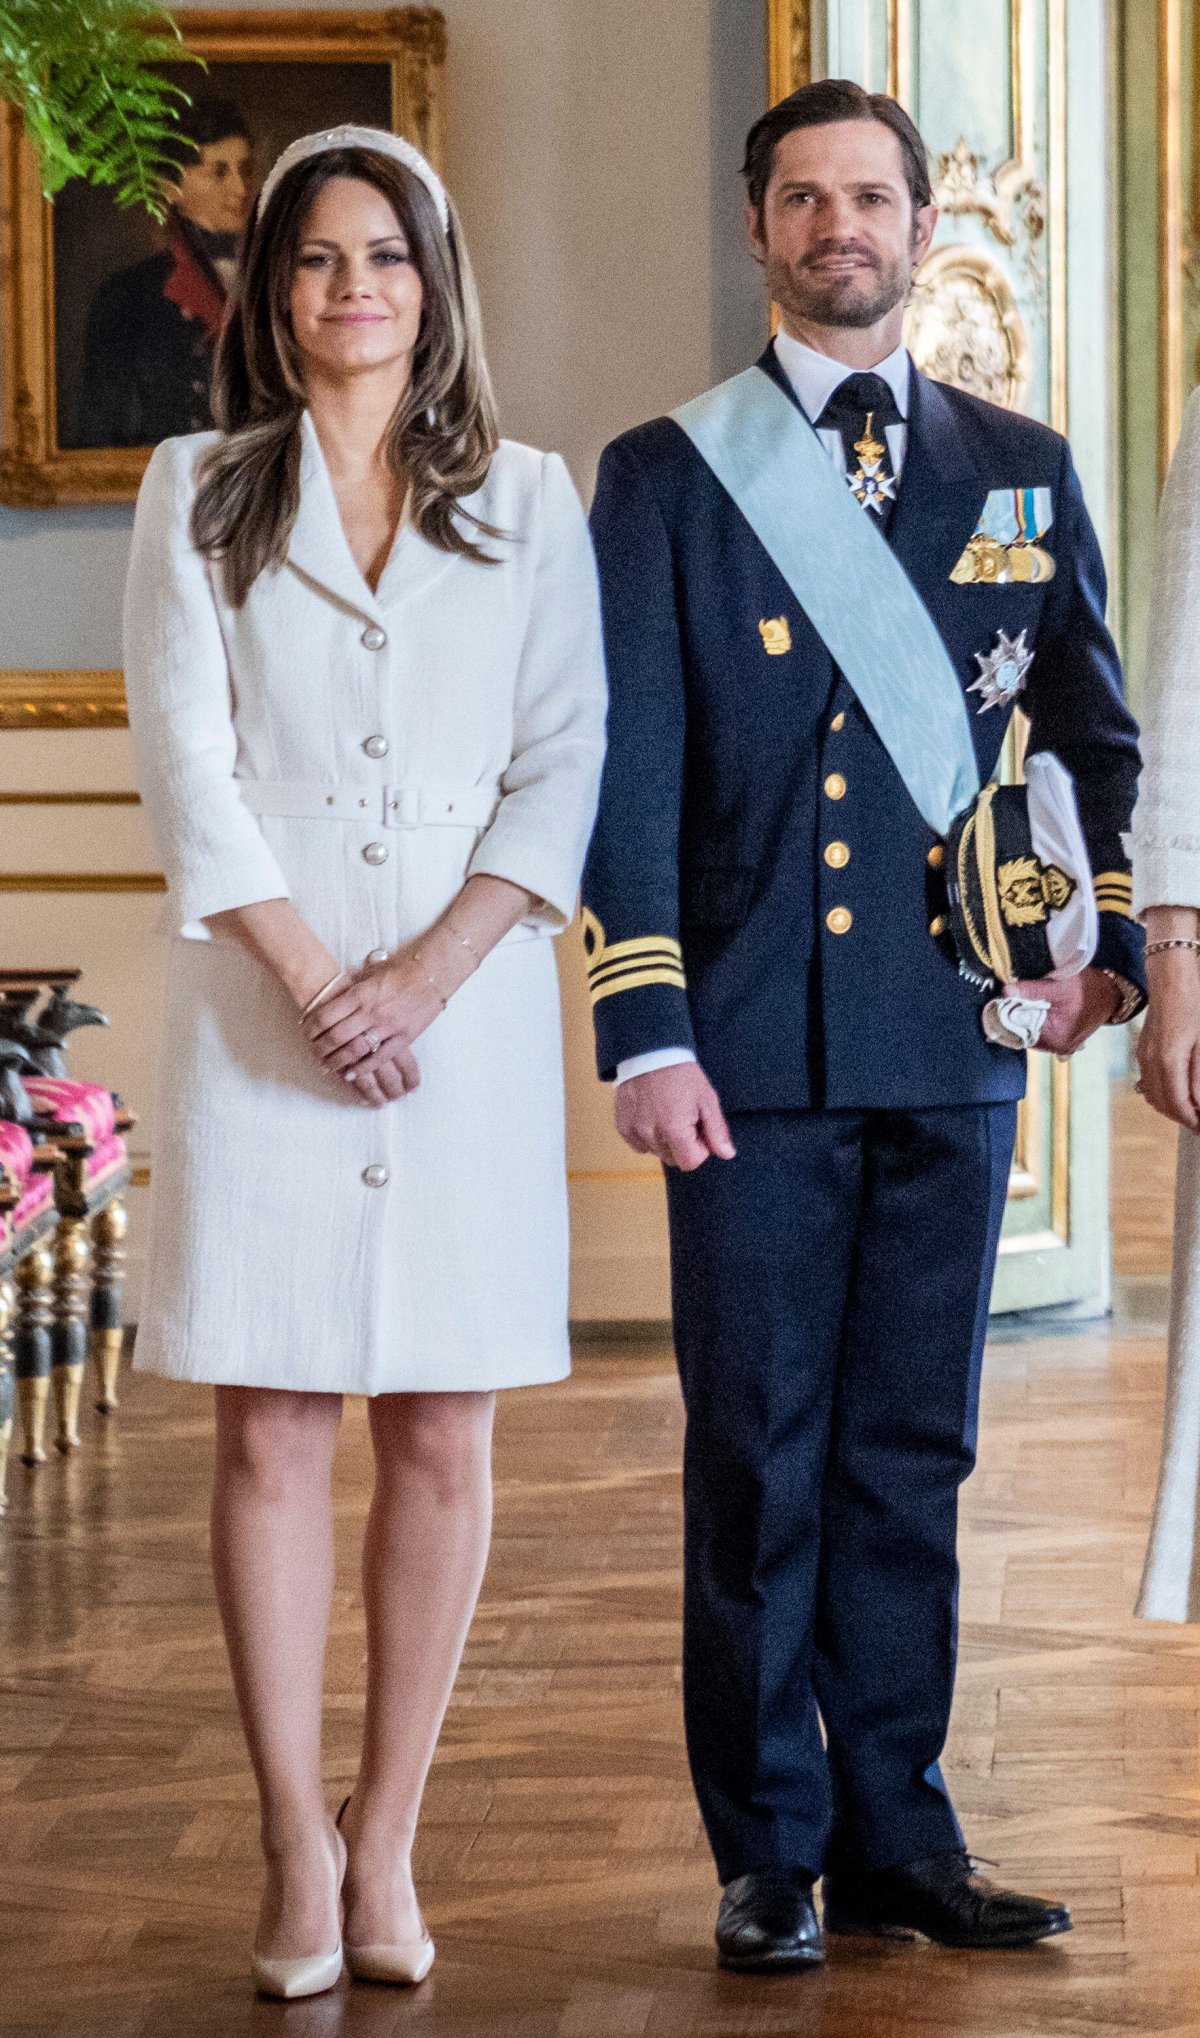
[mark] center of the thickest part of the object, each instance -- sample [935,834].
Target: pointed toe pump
[309,1975]
[288,1979]
[404,1962]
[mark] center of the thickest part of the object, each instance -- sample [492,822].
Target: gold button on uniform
[840,920]
[938,924]
[835,786]
[936,857]
[837,855]
[839,722]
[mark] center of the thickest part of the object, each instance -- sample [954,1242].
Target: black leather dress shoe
[943,1897]
[767,1924]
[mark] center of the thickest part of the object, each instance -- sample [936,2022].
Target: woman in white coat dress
[1166,895]
[366,692]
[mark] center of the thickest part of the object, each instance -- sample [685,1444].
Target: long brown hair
[442,436]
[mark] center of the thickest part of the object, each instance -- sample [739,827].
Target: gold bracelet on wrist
[456,935]
[435,987]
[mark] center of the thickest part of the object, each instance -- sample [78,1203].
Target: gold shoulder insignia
[776,635]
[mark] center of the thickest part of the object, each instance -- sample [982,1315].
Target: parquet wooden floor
[562,1864]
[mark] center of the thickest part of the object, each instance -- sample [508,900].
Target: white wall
[593,149]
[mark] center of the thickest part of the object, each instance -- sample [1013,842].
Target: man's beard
[856,301]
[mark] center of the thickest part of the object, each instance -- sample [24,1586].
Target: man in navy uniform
[777,999]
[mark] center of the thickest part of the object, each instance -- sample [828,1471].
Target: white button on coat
[269,1264]
[374,638]
[376,1175]
[376,746]
[376,853]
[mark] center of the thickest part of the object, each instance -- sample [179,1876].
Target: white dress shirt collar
[814,377]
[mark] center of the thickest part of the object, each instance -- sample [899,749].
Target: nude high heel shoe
[310,1975]
[404,1961]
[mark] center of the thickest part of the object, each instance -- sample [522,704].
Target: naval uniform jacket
[760,886]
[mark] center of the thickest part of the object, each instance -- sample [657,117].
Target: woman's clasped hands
[362,1029]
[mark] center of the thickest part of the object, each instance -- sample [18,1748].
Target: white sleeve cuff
[658,1058]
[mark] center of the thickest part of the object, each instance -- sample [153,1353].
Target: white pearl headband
[375,138]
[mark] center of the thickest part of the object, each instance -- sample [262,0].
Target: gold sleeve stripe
[1113,880]
[642,944]
[665,958]
[637,979]
[1122,906]
[626,969]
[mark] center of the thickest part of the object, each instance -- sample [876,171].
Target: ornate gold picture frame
[386,66]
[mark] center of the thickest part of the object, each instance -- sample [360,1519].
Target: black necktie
[859,410]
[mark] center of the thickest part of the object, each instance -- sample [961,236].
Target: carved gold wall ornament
[964,326]
[35,472]
[1010,201]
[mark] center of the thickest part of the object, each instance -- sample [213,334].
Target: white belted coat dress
[1165,846]
[362,753]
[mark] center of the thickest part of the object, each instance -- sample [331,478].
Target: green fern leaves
[82,73]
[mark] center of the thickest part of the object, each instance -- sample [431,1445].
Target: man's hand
[1078,1005]
[673,1113]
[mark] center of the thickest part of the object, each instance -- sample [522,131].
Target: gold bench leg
[8,1310]
[72,1287]
[109,1227]
[32,1348]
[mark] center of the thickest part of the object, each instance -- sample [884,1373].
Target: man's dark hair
[200,125]
[820,105]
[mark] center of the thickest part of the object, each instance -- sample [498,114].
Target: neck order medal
[870,485]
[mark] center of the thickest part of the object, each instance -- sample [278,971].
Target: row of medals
[986,559]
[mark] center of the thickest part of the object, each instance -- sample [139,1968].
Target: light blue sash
[847,580]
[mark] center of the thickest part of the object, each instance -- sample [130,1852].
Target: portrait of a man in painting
[138,306]
[152,327]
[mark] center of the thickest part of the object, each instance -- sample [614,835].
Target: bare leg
[423,1562]
[272,1555]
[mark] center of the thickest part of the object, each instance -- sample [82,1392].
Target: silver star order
[1002,671]
[872,488]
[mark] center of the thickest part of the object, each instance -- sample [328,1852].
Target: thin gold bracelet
[438,992]
[461,938]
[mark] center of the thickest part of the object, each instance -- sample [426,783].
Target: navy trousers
[830,1293]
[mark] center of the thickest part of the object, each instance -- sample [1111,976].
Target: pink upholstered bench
[27,1218]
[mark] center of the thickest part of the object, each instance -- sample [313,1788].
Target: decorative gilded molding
[965,327]
[1010,201]
[81,799]
[789,47]
[899,40]
[34,472]
[1170,229]
[1056,94]
[62,700]
[82,881]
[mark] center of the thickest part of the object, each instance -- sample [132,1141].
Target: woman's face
[356,295]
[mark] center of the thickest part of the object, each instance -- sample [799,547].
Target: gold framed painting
[108,320]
